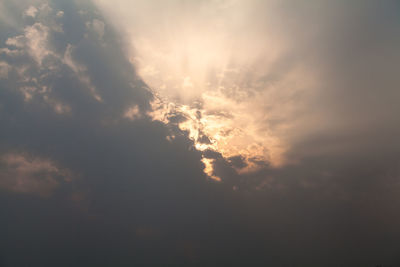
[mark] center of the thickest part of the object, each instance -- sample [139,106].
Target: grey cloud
[22,173]
[4,68]
[237,161]
[97,27]
[140,199]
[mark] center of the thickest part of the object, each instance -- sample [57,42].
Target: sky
[199,133]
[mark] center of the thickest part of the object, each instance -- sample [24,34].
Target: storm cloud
[94,173]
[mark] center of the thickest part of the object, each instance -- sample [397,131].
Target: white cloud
[60,14]
[132,113]
[17,41]
[31,12]
[34,42]
[37,42]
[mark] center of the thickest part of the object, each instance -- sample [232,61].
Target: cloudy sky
[199,133]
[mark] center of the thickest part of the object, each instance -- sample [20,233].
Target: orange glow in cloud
[212,62]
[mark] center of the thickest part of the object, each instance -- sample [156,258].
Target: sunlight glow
[214,64]
[209,169]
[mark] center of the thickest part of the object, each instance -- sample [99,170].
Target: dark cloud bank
[83,186]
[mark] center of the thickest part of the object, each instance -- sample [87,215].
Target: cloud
[80,71]
[279,80]
[4,68]
[220,58]
[132,113]
[22,173]
[36,37]
[31,11]
[60,14]
[97,27]
[34,41]
[142,193]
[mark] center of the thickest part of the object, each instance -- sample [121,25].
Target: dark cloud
[82,185]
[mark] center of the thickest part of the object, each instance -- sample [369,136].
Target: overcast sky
[199,133]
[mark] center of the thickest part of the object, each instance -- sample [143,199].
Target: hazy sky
[199,133]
